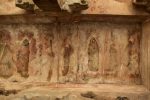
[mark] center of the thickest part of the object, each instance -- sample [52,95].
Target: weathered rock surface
[39,91]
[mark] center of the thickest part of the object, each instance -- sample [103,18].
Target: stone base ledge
[46,91]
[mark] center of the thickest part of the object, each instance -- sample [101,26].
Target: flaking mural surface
[70,53]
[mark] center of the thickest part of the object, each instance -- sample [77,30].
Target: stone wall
[75,52]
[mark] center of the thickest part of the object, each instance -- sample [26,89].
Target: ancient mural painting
[67,54]
[93,53]
[23,53]
[44,53]
[6,54]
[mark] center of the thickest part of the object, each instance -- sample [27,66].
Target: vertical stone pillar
[145,54]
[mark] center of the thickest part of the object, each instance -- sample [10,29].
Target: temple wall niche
[93,55]
[61,52]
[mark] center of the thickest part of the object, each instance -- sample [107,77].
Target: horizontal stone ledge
[40,91]
[67,18]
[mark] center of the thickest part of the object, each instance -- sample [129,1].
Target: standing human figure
[68,50]
[23,54]
[7,65]
[32,46]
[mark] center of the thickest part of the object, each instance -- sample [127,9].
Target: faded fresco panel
[74,53]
